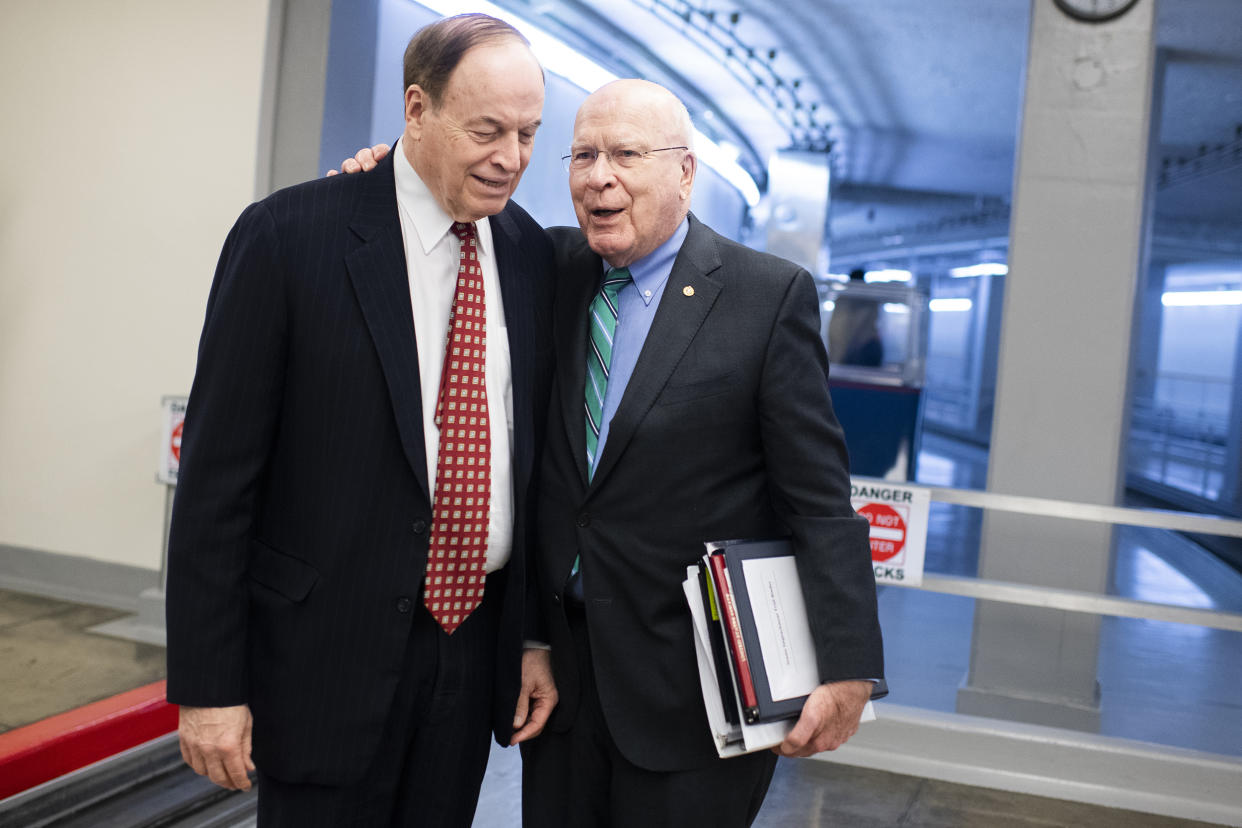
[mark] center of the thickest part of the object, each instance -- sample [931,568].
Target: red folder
[733,628]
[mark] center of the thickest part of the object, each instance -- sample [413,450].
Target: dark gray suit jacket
[725,430]
[302,513]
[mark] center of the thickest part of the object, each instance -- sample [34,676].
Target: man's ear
[689,164]
[417,105]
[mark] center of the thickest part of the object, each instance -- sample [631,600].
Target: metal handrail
[1072,510]
[1072,600]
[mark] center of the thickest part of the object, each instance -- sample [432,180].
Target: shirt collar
[430,222]
[652,270]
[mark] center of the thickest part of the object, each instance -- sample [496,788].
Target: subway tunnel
[1042,214]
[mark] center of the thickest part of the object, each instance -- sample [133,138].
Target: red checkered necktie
[454,582]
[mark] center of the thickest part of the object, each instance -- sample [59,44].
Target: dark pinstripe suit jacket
[302,512]
[725,430]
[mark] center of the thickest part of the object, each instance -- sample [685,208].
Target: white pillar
[1076,241]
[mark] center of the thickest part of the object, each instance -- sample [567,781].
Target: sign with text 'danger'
[898,518]
[170,439]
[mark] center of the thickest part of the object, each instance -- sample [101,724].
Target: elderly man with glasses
[690,404]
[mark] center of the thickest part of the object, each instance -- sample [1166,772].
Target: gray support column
[293,101]
[317,88]
[267,101]
[1061,400]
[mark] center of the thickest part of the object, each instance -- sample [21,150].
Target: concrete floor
[808,793]
[52,663]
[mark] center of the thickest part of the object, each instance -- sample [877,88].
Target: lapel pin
[687,290]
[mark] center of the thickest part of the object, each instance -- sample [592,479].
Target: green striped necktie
[599,354]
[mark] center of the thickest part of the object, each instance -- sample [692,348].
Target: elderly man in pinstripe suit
[317,514]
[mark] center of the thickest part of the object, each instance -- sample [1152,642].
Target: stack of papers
[750,602]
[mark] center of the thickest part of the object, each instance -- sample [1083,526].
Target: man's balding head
[632,169]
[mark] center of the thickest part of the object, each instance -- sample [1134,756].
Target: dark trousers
[579,779]
[433,752]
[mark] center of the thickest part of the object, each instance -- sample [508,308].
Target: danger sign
[888,530]
[170,439]
[897,517]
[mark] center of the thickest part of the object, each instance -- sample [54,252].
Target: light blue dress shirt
[637,305]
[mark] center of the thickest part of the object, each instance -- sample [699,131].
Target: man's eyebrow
[495,123]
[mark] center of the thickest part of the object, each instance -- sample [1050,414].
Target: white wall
[128,146]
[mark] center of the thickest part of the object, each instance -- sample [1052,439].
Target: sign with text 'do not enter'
[170,439]
[897,516]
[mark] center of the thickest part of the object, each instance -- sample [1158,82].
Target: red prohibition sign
[176,441]
[888,530]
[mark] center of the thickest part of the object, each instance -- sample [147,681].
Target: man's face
[627,212]
[472,149]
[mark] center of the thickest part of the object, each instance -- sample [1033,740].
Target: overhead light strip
[950,305]
[1201,298]
[888,274]
[981,269]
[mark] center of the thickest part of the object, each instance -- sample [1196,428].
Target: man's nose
[601,172]
[508,153]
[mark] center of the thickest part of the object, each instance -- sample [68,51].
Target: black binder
[736,552]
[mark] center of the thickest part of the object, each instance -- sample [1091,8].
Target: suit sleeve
[543,290]
[808,473]
[231,418]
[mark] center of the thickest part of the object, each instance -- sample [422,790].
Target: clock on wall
[1095,11]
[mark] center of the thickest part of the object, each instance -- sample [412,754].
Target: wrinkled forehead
[503,73]
[622,121]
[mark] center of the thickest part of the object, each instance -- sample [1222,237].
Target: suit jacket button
[420,526]
[556,599]
[403,604]
[584,520]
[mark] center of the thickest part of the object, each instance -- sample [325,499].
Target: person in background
[351,536]
[853,328]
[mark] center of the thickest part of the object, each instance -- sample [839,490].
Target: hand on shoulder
[364,160]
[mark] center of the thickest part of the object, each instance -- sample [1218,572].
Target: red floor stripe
[46,749]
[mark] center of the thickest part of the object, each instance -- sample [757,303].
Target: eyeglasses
[582,159]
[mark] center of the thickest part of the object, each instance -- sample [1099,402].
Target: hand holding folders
[756,656]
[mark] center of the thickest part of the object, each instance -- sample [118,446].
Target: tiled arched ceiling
[921,95]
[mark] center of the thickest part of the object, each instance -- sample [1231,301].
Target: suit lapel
[380,278]
[519,321]
[688,297]
[581,270]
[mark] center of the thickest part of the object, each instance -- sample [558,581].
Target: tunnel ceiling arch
[918,97]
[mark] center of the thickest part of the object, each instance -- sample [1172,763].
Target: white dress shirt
[432,253]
